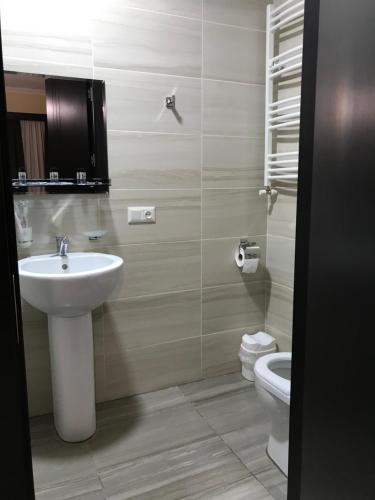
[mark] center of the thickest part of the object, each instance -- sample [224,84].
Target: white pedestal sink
[68,289]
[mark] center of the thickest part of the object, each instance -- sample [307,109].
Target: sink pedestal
[72,369]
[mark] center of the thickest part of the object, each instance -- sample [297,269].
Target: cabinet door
[69,145]
[332,432]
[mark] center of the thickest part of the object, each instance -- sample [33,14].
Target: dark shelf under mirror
[62,186]
[56,128]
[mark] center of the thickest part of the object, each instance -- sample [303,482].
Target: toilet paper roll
[239,257]
[247,266]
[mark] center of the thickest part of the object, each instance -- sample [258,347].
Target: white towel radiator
[283,114]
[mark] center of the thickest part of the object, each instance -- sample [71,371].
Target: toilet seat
[268,379]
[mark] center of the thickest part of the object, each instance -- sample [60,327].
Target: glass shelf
[63,184]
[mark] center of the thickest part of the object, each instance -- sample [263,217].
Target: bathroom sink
[68,286]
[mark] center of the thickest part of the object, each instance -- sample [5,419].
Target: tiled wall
[281,218]
[183,306]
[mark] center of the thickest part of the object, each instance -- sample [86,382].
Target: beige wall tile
[224,112]
[281,220]
[279,308]
[283,340]
[46,31]
[49,47]
[280,260]
[218,264]
[146,41]
[249,14]
[143,370]
[52,215]
[232,162]
[158,268]
[35,335]
[233,306]
[152,161]
[100,381]
[38,373]
[222,49]
[177,216]
[220,351]
[47,68]
[186,8]
[98,330]
[145,321]
[145,51]
[39,391]
[233,212]
[136,101]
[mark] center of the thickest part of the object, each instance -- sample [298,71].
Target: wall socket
[141,215]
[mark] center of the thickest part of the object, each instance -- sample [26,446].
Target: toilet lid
[271,381]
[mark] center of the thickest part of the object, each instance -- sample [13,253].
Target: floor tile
[42,430]
[58,463]
[213,387]
[200,441]
[275,482]
[249,444]
[247,489]
[86,489]
[234,411]
[142,435]
[184,472]
[142,404]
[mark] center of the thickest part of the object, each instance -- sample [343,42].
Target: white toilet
[272,382]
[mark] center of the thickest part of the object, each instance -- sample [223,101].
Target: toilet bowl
[272,383]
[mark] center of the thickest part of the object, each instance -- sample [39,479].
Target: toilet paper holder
[251,250]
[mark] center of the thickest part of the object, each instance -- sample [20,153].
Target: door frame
[302,248]
[17,473]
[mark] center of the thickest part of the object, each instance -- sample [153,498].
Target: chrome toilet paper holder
[251,249]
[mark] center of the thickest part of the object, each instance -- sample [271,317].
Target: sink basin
[68,286]
[67,289]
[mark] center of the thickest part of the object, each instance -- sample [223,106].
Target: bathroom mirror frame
[72,140]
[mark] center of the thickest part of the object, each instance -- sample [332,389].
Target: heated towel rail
[284,114]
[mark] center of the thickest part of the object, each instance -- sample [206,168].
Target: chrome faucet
[62,243]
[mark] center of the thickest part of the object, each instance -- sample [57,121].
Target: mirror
[56,134]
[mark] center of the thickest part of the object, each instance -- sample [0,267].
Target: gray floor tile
[200,441]
[58,463]
[275,482]
[86,489]
[142,435]
[249,444]
[113,411]
[215,386]
[247,489]
[232,411]
[42,430]
[184,472]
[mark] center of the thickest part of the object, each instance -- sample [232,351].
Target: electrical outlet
[141,215]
